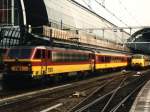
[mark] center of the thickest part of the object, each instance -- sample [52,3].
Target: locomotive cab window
[37,54]
[40,54]
[43,53]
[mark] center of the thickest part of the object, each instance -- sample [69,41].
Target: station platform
[142,101]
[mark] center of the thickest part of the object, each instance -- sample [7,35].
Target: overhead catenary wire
[109,27]
[129,13]
[103,2]
[114,15]
[89,6]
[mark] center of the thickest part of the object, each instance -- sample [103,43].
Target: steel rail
[127,97]
[112,96]
[29,96]
[104,96]
[94,92]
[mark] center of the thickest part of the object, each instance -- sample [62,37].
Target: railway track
[24,87]
[62,97]
[37,99]
[113,100]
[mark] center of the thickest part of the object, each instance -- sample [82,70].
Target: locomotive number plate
[19,68]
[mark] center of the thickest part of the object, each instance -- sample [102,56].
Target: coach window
[87,57]
[65,57]
[73,57]
[81,57]
[59,57]
[120,59]
[101,59]
[54,56]
[68,57]
[112,59]
[107,59]
[124,59]
[76,57]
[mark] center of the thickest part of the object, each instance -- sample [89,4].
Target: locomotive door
[43,62]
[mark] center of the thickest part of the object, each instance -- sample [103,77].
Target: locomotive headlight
[29,65]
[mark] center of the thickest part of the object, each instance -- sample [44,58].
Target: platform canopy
[140,41]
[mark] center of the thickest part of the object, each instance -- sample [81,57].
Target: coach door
[92,58]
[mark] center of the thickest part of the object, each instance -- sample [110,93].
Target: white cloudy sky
[131,12]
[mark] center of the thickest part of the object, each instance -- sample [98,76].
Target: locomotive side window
[56,56]
[25,53]
[19,53]
[69,57]
[43,53]
[13,53]
[49,54]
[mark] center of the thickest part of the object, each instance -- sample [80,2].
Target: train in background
[140,61]
[42,61]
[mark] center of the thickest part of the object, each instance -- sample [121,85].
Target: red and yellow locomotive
[41,61]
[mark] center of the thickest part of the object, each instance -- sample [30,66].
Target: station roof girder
[140,41]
